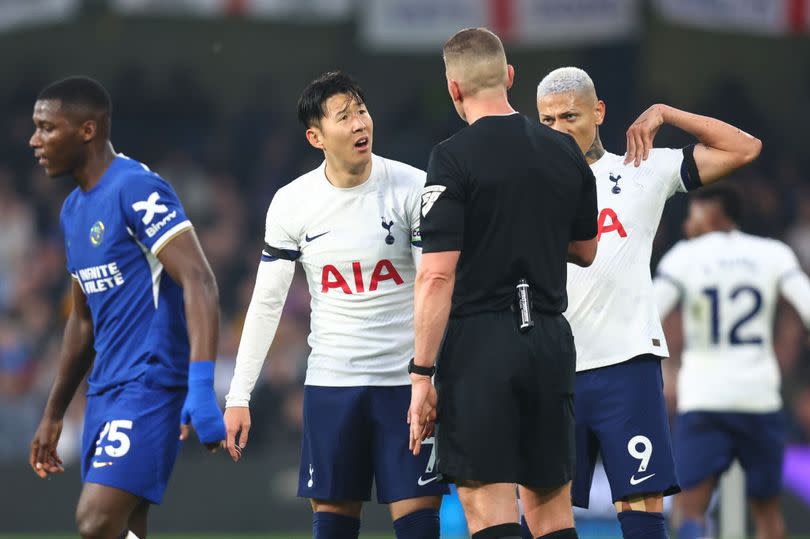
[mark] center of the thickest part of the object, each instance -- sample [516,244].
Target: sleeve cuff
[169,235]
[237,401]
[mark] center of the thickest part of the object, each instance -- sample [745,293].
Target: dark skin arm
[76,357]
[184,261]
[582,253]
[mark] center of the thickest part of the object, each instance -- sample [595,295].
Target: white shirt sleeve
[794,285]
[667,295]
[667,283]
[272,285]
[261,321]
[415,217]
[668,162]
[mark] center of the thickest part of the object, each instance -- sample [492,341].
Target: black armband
[283,254]
[689,170]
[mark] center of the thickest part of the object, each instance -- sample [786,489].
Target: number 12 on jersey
[715,300]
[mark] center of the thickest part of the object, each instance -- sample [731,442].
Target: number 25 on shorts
[113,432]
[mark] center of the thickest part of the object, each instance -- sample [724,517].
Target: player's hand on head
[237,427]
[641,134]
[43,458]
[422,412]
[201,409]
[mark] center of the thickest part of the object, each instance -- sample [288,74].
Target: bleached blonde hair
[566,80]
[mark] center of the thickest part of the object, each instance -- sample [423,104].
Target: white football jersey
[611,304]
[729,284]
[359,248]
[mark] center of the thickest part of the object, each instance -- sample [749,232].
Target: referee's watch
[422,371]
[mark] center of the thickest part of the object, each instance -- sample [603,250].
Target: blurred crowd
[226,163]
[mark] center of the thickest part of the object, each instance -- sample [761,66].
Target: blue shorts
[131,438]
[621,414]
[353,435]
[707,442]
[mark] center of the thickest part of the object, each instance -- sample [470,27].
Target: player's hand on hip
[237,427]
[641,134]
[422,412]
[44,459]
[201,409]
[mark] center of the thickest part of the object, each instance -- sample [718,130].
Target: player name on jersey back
[611,304]
[356,246]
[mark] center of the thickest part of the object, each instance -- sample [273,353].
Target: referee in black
[507,203]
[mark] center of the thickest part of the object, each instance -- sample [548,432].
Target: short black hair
[82,93]
[79,91]
[728,197]
[311,104]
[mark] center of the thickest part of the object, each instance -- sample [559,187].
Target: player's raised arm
[722,147]
[184,261]
[76,357]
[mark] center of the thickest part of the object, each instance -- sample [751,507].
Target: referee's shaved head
[475,58]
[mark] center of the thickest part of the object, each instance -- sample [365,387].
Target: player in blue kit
[144,303]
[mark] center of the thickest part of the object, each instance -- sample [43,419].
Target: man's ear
[88,130]
[454,90]
[315,137]
[599,114]
[510,76]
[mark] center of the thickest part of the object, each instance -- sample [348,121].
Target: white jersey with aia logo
[729,284]
[611,304]
[359,248]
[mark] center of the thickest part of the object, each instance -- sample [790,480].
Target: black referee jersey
[510,194]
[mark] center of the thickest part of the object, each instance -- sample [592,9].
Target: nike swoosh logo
[101,464]
[422,482]
[634,481]
[310,238]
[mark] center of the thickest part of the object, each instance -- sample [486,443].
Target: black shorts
[506,409]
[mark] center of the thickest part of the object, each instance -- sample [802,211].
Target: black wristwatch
[422,371]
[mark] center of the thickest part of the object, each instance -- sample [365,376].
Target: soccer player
[144,304]
[728,284]
[618,399]
[353,223]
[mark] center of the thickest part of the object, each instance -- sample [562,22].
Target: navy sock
[334,526]
[643,525]
[501,531]
[565,533]
[524,529]
[690,529]
[422,524]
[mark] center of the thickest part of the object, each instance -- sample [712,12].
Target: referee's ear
[314,137]
[510,76]
[454,90]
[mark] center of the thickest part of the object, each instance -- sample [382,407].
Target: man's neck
[90,172]
[596,151]
[342,176]
[724,225]
[486,103]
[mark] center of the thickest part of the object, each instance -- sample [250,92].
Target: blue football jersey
[113,234]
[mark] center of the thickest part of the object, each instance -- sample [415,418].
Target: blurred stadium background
[204,91]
